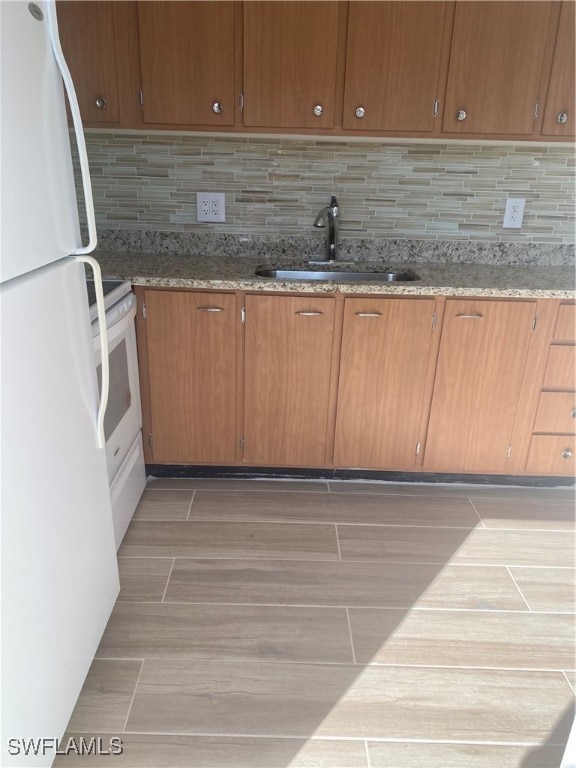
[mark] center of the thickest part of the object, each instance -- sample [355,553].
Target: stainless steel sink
[385,276]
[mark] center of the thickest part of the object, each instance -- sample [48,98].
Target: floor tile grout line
[350,635]
[367,751]
[482,523]
[133,696]
[345,561]
[337,606]
[338,542]
[190,506]
[168,580]
[430,527]
[458,564]
[360,739]
[340,664]
[572,687]
[518,588]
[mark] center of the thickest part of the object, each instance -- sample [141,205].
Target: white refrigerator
[59,574]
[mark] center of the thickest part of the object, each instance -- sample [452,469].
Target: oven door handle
[103,333]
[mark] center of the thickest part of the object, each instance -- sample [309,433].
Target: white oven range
[123,418]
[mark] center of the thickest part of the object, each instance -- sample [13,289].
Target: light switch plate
[211,206]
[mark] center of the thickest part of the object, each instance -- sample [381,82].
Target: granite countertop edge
[437,279]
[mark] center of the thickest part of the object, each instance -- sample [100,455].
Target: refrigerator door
[59,574]
[38,207]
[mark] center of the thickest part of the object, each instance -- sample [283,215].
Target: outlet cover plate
[514,213]
[211,206]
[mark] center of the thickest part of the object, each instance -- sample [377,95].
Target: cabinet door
[290,63]
[495,66]
[392,65]
[480,367]
[287,379]
[187,62]
[385,352]
[560,99]
[192,376]
[88,33]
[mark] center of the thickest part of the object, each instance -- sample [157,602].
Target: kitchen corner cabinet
[191,383]
[386,354]
[559,117]
[187,62]
[290,63]
[393,65]
[496,62]
[480,369]
[97,39]
[288,363]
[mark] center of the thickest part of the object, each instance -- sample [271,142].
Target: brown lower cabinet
[480,370]
[385,356]
[288,360]
[411,384]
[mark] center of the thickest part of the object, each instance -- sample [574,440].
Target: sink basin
[384,276]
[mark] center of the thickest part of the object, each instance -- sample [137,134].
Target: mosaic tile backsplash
[275,187]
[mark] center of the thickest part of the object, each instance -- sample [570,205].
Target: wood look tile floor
[289,624]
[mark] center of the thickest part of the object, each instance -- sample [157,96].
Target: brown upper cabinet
[187,60]
[290,63]
[445,68]
[496,61]
[393,65]
[97,39]
[559,115]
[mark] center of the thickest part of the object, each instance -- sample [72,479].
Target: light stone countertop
[448,279]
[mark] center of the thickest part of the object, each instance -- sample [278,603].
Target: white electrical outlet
[514,213]
[210,206]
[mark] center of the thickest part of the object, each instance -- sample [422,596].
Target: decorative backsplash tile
[275,187]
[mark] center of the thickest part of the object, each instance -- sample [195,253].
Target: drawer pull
[475,316]
[368,314]
[574,413]
[567,453]
[210,309]
[314,313]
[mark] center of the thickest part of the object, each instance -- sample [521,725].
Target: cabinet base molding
[191,471]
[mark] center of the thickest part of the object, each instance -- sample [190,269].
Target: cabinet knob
[101,102]
[461,115]
[318,110]
[217,107]
[562,118]
[574,413]
[567,453]
[359,111]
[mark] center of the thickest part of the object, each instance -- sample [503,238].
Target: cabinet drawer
[552,455]
[565,329]
[560,368]
[556,413]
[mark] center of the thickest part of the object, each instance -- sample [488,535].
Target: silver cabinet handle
[567,453]
[475,316]
[562,118]
[210,309]
[359,111]
[313,313]
[368,314]
[101,102]
[217,107]
[461,115]
[574,413]
[318,110]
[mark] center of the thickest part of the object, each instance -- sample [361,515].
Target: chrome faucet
[328,217]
